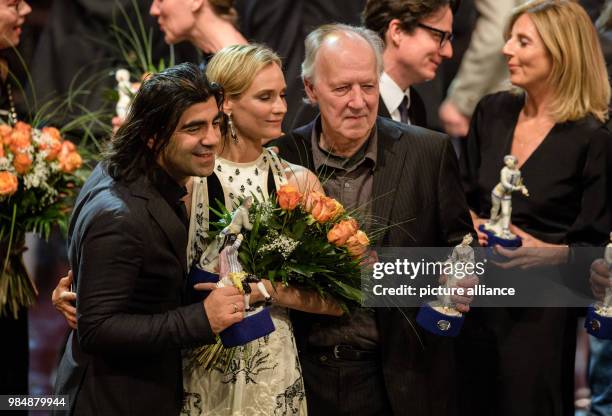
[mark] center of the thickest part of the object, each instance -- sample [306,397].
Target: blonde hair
[235,67]
[578,75]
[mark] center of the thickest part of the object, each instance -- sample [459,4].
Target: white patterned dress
[264,377]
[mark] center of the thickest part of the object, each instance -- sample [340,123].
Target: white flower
[54,166]
[6,163]
[279,243]
[265,210]
[38,176]
[38,137]
[42,139]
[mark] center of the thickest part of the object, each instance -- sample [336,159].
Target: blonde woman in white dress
[264,377]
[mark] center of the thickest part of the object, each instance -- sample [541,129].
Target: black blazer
[418,116]
[416,111]
[416,182]
[127,250]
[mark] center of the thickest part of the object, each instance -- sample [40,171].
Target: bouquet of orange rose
[39,174]
[308,241]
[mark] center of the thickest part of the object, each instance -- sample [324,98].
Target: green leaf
[298,230]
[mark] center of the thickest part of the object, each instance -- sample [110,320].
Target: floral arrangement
[308,241]
[39,174]
[304,240]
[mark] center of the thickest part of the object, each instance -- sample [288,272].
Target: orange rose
[311,199]
[68,158]
[71,162]
[51,142]
[67,147]
[342,231]
[1,148]
[53,132]
[8,183]
[288,197]
[24,127]
[22,162]
[358,244]
[21,137]
[326,209]
[5,133]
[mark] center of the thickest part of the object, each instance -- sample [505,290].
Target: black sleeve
[592,225]
[469,161]
[110,263]
[453,211]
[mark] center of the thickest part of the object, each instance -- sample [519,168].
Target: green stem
[284,222]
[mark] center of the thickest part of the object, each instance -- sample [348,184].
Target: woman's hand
[298,299]
[289,297]
[600,280]
[63,300]
[533,253]
[462,302]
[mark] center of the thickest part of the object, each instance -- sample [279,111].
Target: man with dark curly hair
[127,249]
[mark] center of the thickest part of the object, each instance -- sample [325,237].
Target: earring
[232,128]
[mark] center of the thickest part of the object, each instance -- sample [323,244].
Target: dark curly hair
[154,114]
[378,13]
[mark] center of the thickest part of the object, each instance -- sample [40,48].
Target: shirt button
[347,185]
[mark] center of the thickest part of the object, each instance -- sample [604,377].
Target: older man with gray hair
[374,362]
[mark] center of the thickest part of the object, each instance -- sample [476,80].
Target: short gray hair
[315,39]
[512,158]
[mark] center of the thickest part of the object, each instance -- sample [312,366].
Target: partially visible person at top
[14,375]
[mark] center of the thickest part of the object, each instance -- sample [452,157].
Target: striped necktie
[403,110]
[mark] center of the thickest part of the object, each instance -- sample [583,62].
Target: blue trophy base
[495,240]
[598,325]
[438,323]
[197,275]
[250,328]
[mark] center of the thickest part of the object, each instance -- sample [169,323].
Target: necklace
[12,114]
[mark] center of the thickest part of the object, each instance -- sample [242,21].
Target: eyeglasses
[443,36]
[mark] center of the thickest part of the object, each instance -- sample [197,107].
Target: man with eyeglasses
[417,35]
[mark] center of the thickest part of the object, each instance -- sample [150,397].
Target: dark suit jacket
[416,183]
[127,250]
[416,111]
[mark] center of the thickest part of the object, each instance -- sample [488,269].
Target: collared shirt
[172,193]
[392,95]
[349,180]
